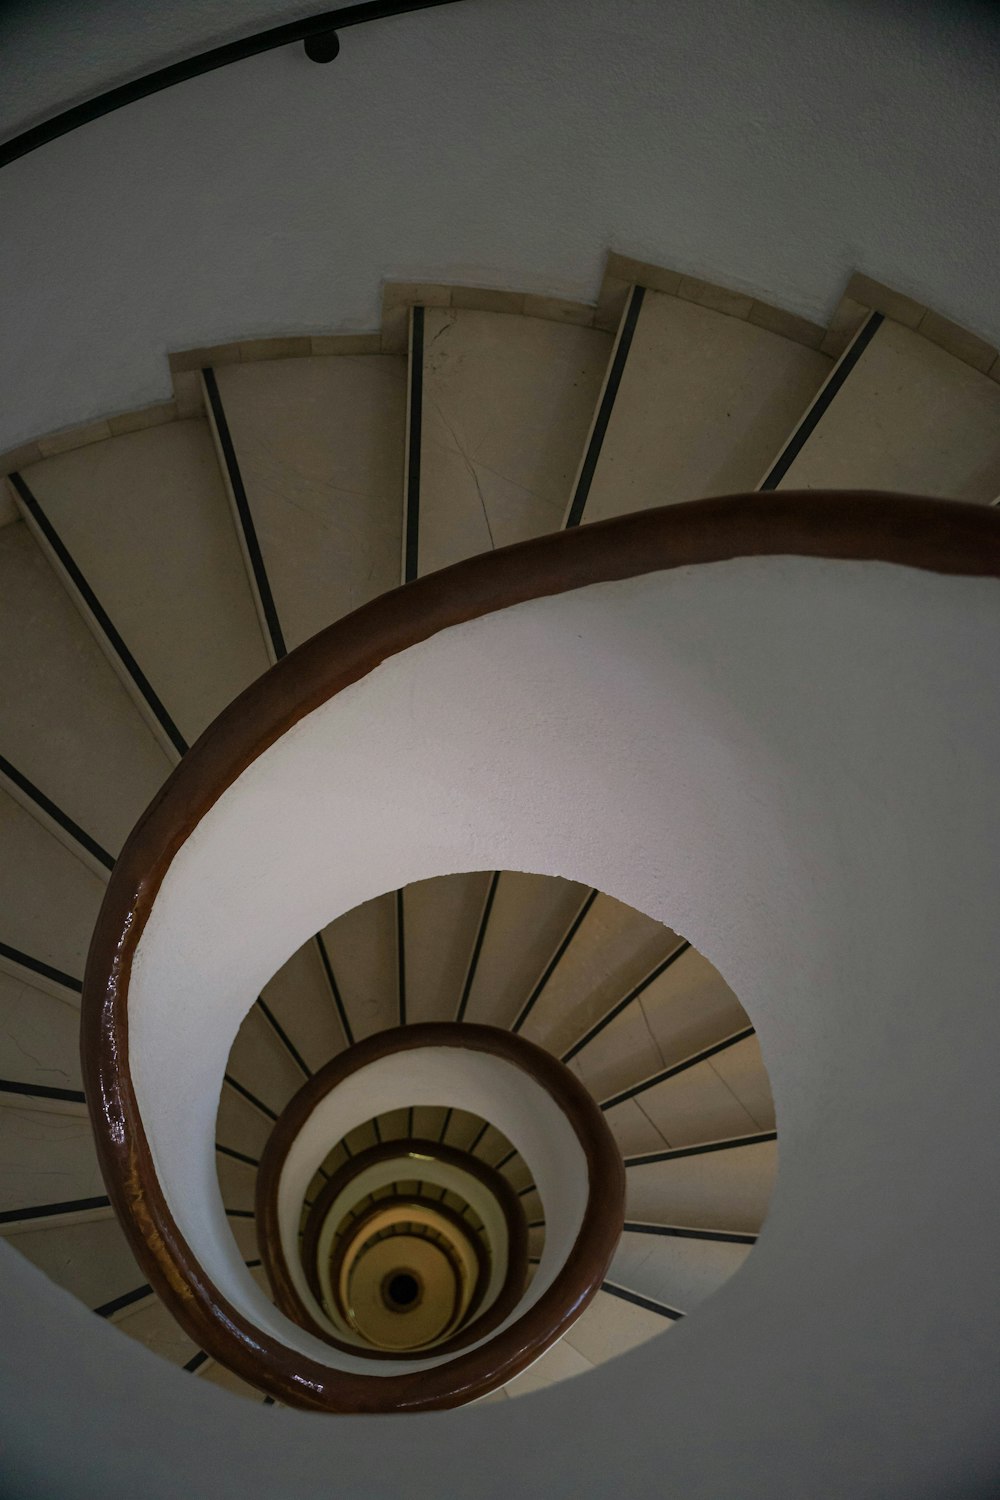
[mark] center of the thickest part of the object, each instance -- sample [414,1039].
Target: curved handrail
[945,537]
[542,1068]
[441,1211]
[573,1287]
[285,1295]
[320,25]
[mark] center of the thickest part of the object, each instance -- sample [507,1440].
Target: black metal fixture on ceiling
[323,48]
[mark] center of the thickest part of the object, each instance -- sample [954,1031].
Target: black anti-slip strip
[283,1037]
[56,813]
[616,1010]
[267,1401]
[523,1192]
[537,1224]
[401,956]
[335,990]
[821,405]
[50,1210]
[250,1264]
[677,1232]
[90,599]
[251,1098]
[444,1127]
[37,967]
[681,1067]
[41,1091]
[247,526]
[639,1301]
[601,421]
[240,1213]
[411,557]
[477,946]
[479,1135]
[498,1166]
[674,1153]
[196,1361]
[551,966]
[125,1300]
[378,1132]
[251,1161]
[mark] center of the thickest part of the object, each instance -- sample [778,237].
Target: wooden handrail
[945,537]
[404,1201]
[601,1229]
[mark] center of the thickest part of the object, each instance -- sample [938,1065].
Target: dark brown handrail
[404,1201]
[287,1298]
[945,537]
[572,1098]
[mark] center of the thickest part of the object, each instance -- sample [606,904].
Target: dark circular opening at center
[402,1289]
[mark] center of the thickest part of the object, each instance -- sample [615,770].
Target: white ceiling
[774,147]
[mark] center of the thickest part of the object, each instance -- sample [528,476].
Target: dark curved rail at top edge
[945,537]
[205,62]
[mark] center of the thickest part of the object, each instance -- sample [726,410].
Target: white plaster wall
[794,762]
[775,146]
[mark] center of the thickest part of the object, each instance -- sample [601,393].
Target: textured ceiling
[774,147]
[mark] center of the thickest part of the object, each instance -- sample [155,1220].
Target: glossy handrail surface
[942,537]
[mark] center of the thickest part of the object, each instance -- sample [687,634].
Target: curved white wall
[774,146]
[794,762]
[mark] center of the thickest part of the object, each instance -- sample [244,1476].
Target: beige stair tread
[362,949]
[244,1232]
[715,1190]
[909,417]
[239,1125]
[66,721]
[92,1260]
[442,920]
[679,1272]
[697,1105]
[529,918]
[611,1326]
[262,1063]
[462,1129]
[742,1070]
[507,402]
[39,1036]
[561,1362]
[301,1001]
[174,583]
[217,1374]
[614,948]
[689,1007]
[634,1131]
[237,1181]
[151,1324]
[705,401]
[320,444]
[46,1158]
[685,1009]
[49,899]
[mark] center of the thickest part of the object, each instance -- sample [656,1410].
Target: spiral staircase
[155,564]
